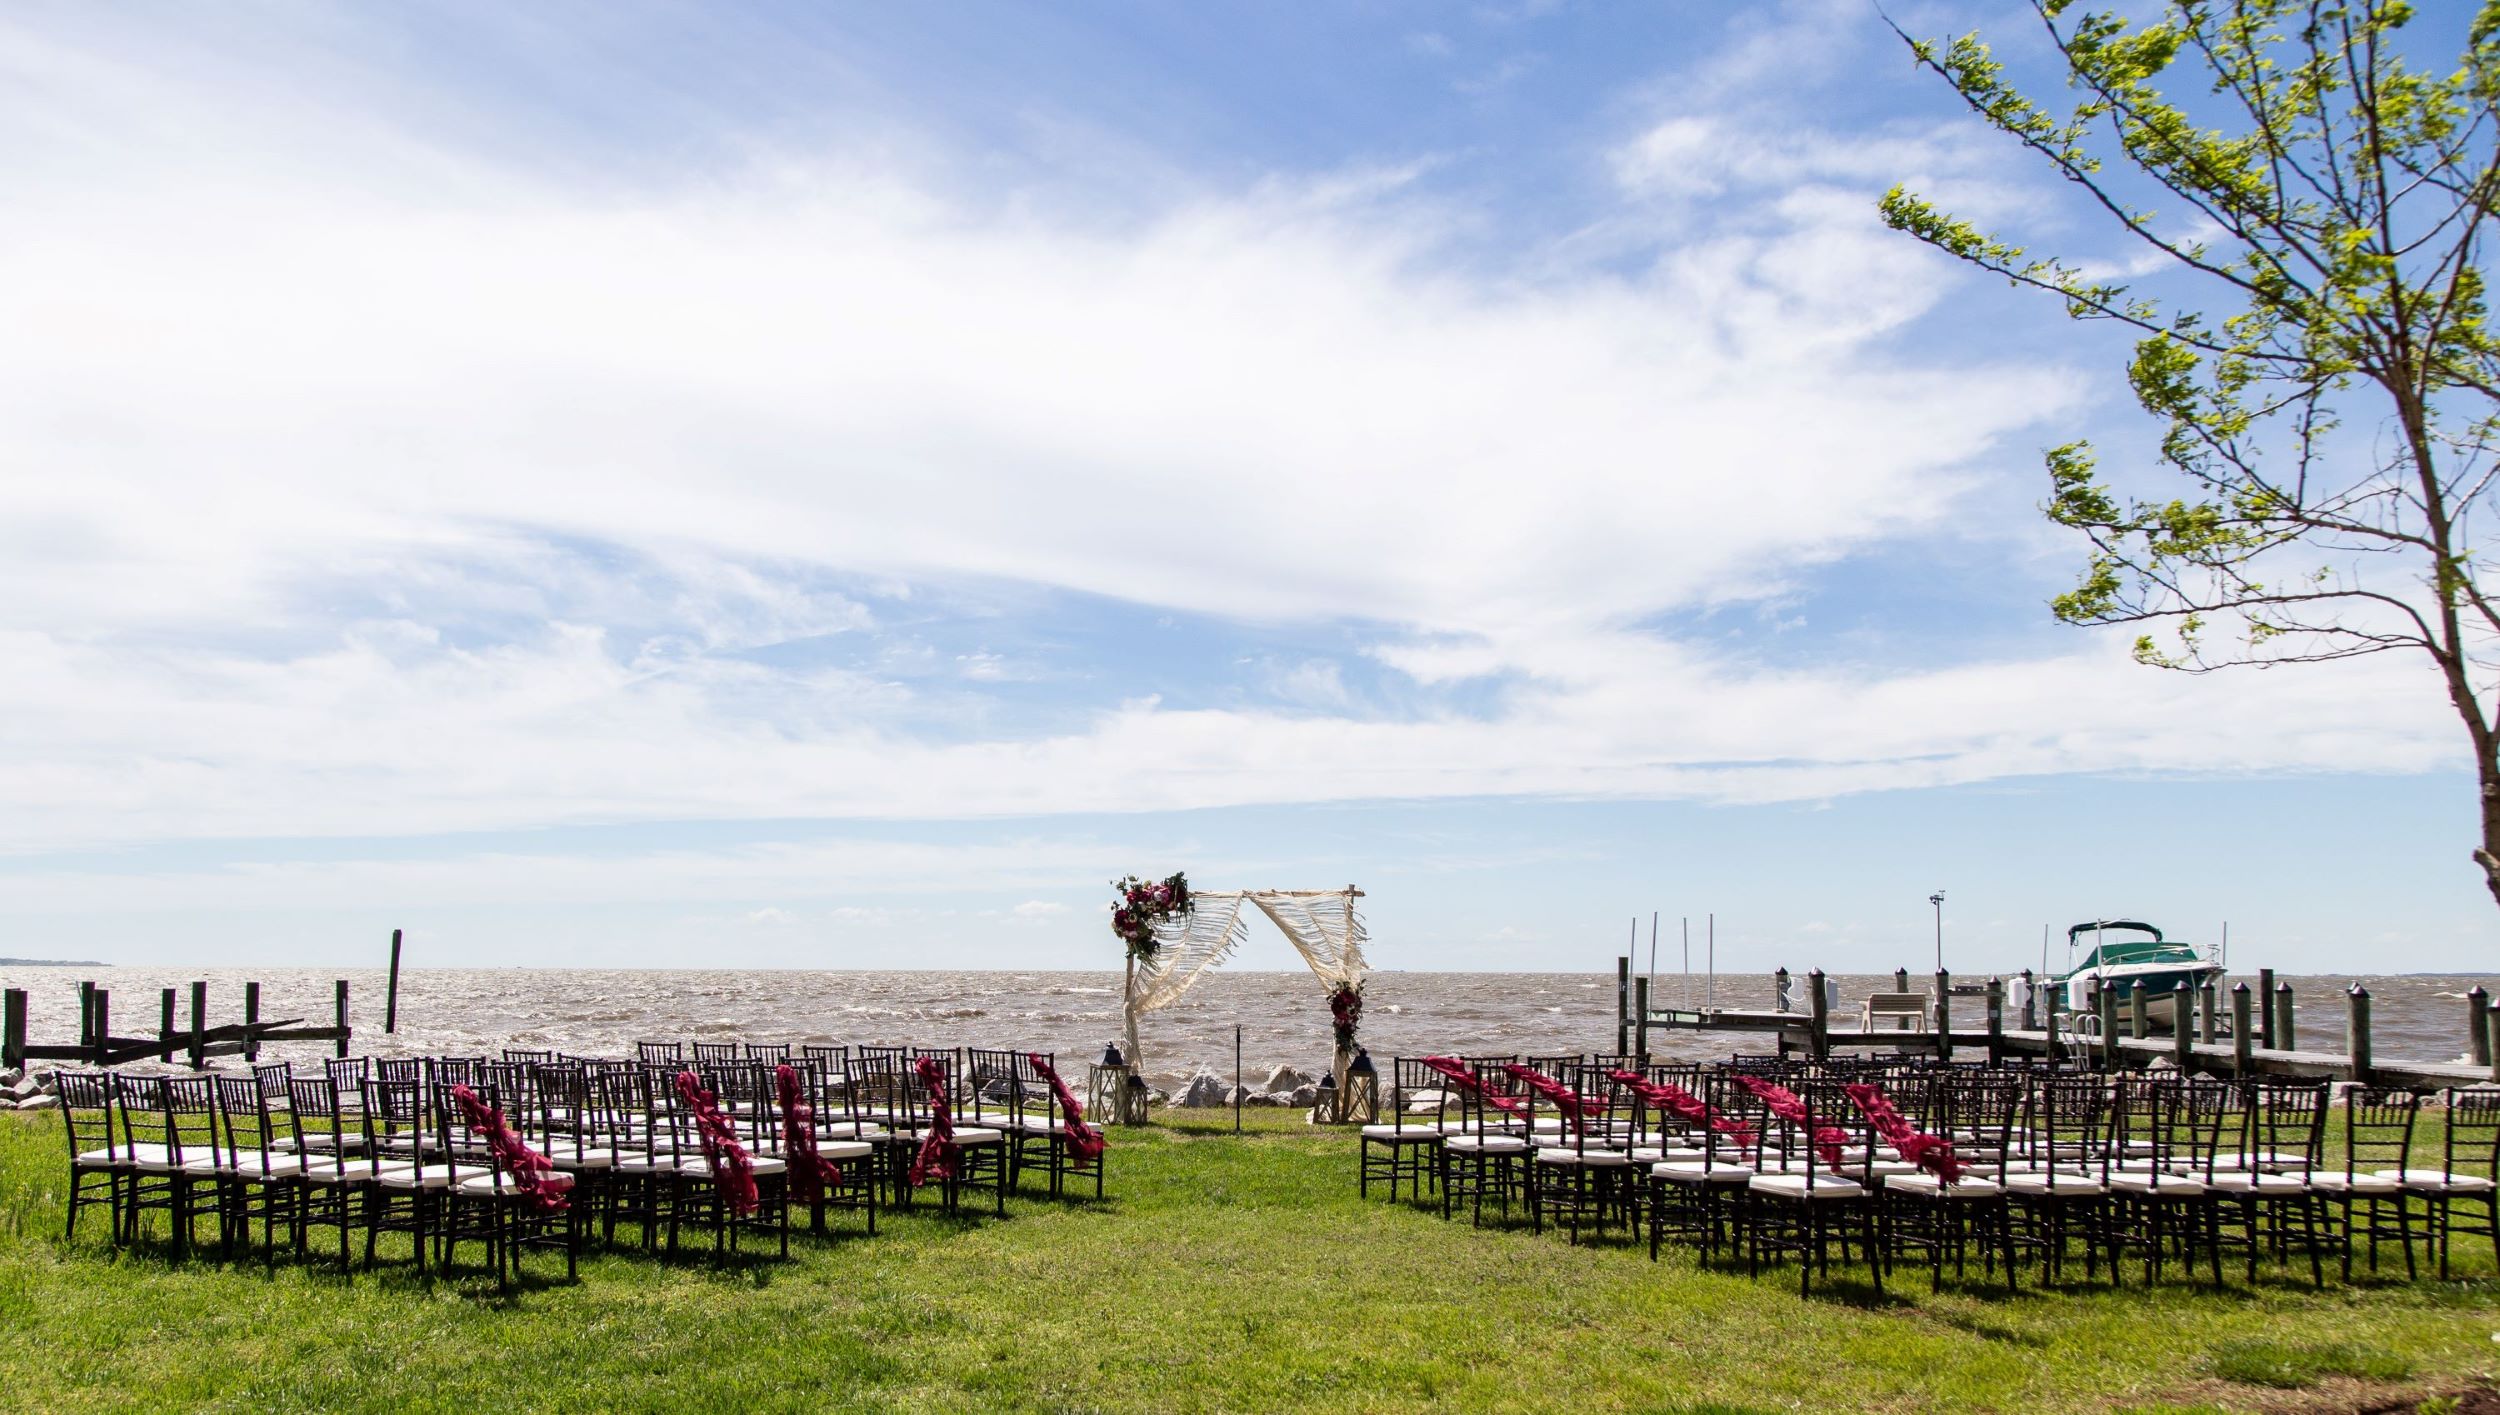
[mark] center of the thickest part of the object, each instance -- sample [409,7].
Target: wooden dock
[2206,1038]
[195,1044]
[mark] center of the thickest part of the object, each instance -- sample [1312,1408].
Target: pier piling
[2031,1002]
[102,1014]
[2243,1027]
[2209,1026]
[1623,1004]
[2105,1012]
[1818,1016]
[1640,1027]
[2357,1035]
[2286,1028]
[343,1032]
[2265,1009]
[1944,1015]
[2139,1013]
[2183,1026]
[1779,990]
[2477,1028]
[165,1028]
[1996,1020]
[390,998]
[251,1016]
[12,1029]
[2491,1040]
[86,1014]
[199,1024]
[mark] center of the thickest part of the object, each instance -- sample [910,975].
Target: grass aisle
[1222,1274]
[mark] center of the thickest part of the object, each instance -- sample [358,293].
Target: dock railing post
[2031,1002]
[2357,1035]
[2209,1026]
[1640,1019]
[86,1013]
[1779,990]
[2139,1012]
[1900,980]
[12,1029]
[2243,1029]
[1996,1020]
[2265,1009]
[103,1021]
[165,1029]
[1623,1004]
[2491,1038]
[251,1016]
[199,1024]
[343,1032]
[2286,1030]
[2477,1029]
[1818,1016]
[2183,1026]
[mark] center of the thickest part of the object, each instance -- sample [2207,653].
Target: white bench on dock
[1906,1010]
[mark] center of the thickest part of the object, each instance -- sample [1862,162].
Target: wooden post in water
[1944,1015]
[2477,1029]
[2209,1026]
[343,1032]
[2357,1036]
[1900,980]
[2183,1026]
[1623,1004]
[165,1029]
[1640,1019]
[2491,1038]
[2139,1012]
[1818,1016]
[2286,1030]
[390,998]
[12,1029]
[103,1021]
[2243,1029]
[2031,1003]
[1996,1020]
[251,1014]
[199,1024]
[86,1013]
[2265,1008]
[1779,990]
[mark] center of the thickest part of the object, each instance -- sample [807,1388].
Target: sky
[803,486]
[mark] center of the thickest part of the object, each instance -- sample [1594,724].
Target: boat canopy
[2112,952]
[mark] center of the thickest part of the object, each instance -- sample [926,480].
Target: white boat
[2125,955]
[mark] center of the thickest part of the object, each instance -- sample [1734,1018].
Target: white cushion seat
[433,1176]
[567,1157]
[839,1150]
[485,1185]
[1801,1186]
[340,1172]
[1878,1171]
[1723,1172]
[2338,1182]
[2153,1185]
[964,1135]
[2439,1181]
[103,1159]
[1485,1145]
[1403,1134]
[2050,1185]
[694,1167]
[1668,1154]
[1583,1159]
[2260,1182]
[1928,1186]
[2272,1160]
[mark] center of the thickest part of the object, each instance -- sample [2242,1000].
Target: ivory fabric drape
[1322,925]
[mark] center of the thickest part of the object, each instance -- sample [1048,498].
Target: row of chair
[537,1149]
[1908,1159]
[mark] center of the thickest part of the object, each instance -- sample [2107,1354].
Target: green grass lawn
[1221,1274]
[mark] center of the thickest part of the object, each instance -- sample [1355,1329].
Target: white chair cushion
[2059,1186]
[2261,1183]
[1687,1172]
[2437,1181]
[694,1167]
[1485,1145]
[322,1171]
[839,1150]
[1928,1186]
[1588,1159]
[2157,1185]
[1403,1135]
[1798,1186]
[485,1185]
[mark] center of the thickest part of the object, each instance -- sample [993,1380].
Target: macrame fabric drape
[1322,925]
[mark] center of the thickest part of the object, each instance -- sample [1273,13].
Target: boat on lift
[2123,955]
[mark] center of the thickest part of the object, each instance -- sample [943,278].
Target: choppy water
[1283,1016]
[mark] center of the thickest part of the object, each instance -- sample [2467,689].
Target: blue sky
[816,487]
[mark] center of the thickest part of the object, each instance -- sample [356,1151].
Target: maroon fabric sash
[1685,1106]
[1466,1080]
[1084,1141]
[1783,1102]
[531,1172]
[939,1154]
[1575,1108]
[1933,1153]
[733,1173]
[810,1172]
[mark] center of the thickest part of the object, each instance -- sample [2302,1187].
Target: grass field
[1220,1274]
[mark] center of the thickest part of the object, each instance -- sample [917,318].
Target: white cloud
[1037,909]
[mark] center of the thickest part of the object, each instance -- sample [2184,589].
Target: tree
[2315,339]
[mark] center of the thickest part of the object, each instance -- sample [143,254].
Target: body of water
[1283,1017]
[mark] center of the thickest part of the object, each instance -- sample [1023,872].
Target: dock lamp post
[1937,899]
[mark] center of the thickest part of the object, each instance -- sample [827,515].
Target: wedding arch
[1177,935]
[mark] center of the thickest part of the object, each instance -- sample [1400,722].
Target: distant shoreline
[52,963]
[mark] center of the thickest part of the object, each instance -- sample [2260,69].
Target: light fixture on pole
[1937,899]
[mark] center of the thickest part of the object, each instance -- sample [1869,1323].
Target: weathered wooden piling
[12,1029]
[2265,1007]
[1996,1020]
[343,1033]
[2357,1034]
[2477,1028]
[2286,1027]
[251,1019]
[165,1028]
[390,997]
[2243,1029]
[2209,1026]
[1818,1016]
[1779,990]
[1640,1026]
[2031,1002]
[199,1025]
[2139,1013]
[1944,1015]
[2183,1027]
[102,1015]
[2105,1011]
[86,1014]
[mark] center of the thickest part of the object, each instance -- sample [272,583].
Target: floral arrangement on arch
[1345,1008]
[1142,905]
